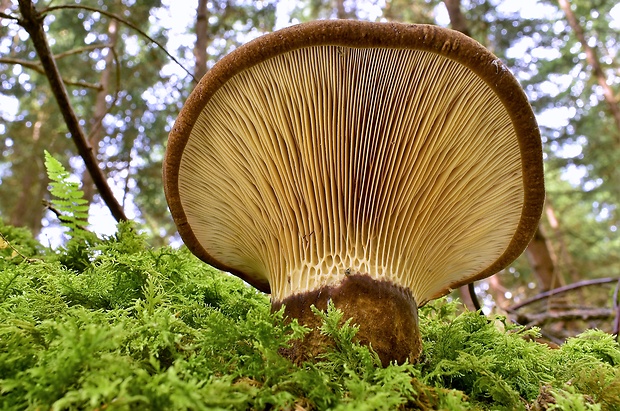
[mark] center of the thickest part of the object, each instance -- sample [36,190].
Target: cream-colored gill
[327,160]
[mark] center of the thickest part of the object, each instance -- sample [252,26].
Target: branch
[37,67]
[32,22]
[559,290]
[82,84]
[8,16]
[586,314]
[6,243]
[28,64]
[125,22]
[79,50]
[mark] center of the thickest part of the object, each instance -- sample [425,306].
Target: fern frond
[68,198]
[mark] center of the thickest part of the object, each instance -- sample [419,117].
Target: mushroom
[374,165]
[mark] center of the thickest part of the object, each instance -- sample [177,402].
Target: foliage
[471,353]
[16,240]
[136,327]
[69,199]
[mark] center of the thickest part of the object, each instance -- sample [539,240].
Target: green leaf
[69,199]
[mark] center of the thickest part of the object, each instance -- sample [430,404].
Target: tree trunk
[458,21]
[28,210]
[564,257]
[498,292]
[18,216]
[97,131]
[543,262]
[5,5]
[594,62]
[340,11]
[202,40]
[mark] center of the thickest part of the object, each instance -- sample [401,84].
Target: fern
[69,202]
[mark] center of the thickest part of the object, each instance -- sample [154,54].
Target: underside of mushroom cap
[407,153]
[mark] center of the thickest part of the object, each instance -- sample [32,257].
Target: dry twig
[125,22]
[15,250]
[559,290]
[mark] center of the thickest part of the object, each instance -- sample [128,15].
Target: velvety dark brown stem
[387,316]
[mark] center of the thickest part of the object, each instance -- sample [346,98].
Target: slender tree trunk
[594,62]
[458,21]
[202,40]
[5,5]
[340,11]
[101,108]
[28,212]
[543,261]
[21,210]
[564,257]
[498,292]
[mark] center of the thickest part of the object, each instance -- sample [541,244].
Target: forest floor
[111,323]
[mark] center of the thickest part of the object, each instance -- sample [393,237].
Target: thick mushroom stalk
[375,165]
[386,313]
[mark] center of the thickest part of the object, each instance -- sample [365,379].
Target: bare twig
[32,22]
[79,50]
[555,340]
[588,314]
[15,250]
[48,206]
[125,22]
[24,63]
[39,69]
[60,216]
[8,16]
[560,290]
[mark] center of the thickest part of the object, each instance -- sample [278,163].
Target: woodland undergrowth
[111,323]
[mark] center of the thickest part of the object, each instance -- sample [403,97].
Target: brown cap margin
[448,43]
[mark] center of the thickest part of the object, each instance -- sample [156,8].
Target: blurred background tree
[127,92]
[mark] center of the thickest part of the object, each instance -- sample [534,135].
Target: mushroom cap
[408,153]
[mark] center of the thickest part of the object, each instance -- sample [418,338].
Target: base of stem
[386,314]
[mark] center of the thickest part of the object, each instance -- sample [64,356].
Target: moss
[487,358]
[21,242]
[131,327]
